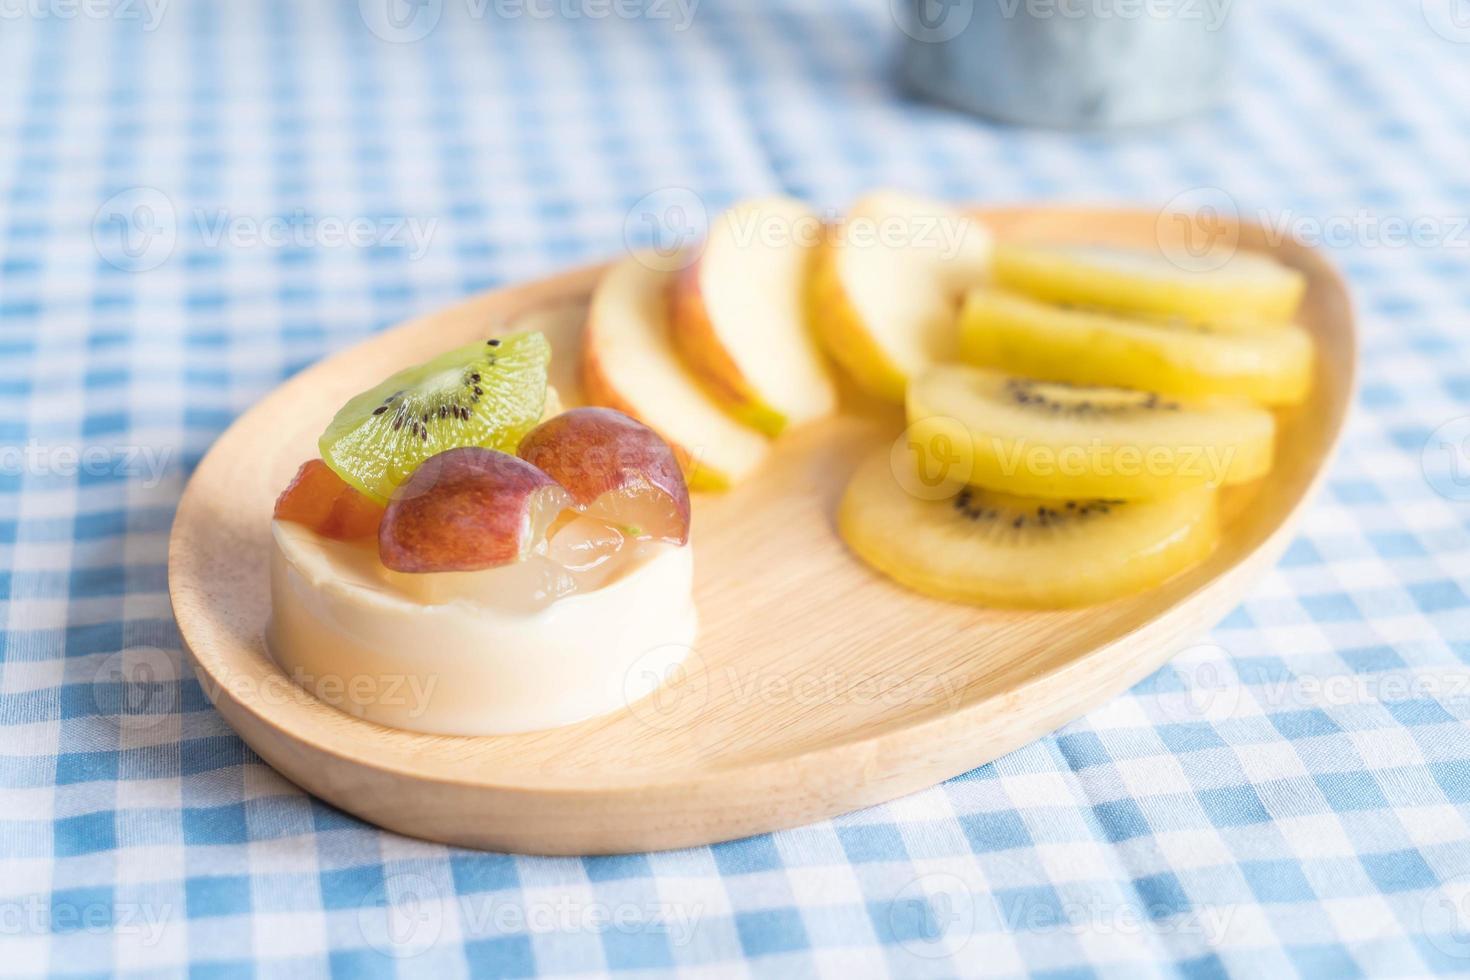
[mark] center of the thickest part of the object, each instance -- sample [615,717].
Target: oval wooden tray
[817,687]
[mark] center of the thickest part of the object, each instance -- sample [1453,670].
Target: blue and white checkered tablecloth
[1288,798]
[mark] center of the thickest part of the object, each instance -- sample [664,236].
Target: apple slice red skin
[597,451]
[468,509]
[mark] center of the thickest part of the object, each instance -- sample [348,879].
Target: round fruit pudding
[523,646]
[451,566]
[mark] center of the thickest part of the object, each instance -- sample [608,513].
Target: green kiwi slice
[489,394]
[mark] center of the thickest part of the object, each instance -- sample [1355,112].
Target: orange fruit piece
[321,500]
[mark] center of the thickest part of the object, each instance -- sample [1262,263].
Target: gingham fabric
[198,199]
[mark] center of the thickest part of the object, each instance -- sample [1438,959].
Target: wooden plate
[817,687]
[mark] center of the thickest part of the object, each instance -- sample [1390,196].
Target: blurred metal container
[1075,64]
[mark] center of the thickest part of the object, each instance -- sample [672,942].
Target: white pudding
[513,649]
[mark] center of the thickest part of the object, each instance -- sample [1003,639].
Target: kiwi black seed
[982,508]
[487,394]
[1030,395]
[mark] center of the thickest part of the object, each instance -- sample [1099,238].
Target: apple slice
[466,509]
[629,363]
[739,316]
[319,499]
[887,284]
[616,468]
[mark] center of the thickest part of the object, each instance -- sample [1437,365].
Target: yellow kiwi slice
[1042,439]
[1268,363]
[996,549]
[1248,284]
